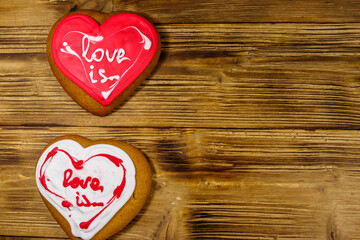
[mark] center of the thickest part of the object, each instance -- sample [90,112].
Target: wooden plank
[218,75]
[215,119]
[237,11]
[25,238]
[208,183]
[33,12]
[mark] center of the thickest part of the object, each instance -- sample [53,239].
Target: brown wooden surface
[251,120]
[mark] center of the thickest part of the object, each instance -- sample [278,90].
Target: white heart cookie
[87,186]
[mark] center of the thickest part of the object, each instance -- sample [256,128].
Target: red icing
[105,59]
[66,204]
[87,202]
[117,193]
[78,164]
[95,185]
[115,160]
[76,182]
[42,176]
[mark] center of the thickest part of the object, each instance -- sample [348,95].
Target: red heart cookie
[99,66]
[89,187]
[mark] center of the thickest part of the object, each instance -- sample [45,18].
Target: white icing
[100,54]
[106,94]
[91,75]
[104,78]
[101,72]
[103,53]
[111,59]
[147,46]
[107,172]
[145,40]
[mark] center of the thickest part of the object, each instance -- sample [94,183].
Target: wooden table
[251,120]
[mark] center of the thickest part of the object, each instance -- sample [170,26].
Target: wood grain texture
[208,183]
[239,11]
[38,12]
[250,121]
[209,75]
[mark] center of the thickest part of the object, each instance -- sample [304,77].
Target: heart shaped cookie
[100,59]
[92,188]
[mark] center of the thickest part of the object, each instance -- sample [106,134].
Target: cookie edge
[131,208]
[80,96]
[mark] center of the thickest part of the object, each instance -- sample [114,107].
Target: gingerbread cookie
[92,188]
[99,66]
